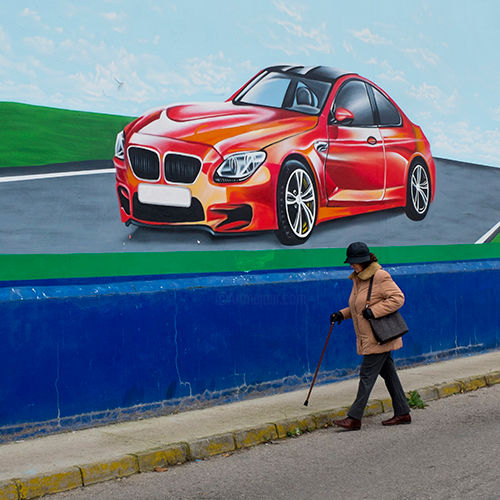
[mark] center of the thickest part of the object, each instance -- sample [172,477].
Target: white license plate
[169,196]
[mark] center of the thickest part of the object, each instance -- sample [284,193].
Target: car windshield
[278,90]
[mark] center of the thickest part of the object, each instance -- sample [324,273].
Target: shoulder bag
[387,327]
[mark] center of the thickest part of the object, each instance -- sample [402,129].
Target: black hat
[357,253]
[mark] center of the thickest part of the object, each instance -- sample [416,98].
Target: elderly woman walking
[386,297]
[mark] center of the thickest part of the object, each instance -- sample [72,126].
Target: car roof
[324,73]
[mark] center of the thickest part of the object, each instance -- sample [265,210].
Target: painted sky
[438,59]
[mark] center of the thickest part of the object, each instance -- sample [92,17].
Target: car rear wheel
[297,203]
[418,191]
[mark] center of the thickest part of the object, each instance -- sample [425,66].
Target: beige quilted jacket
[386,298]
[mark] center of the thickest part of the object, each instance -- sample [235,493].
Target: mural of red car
[294,147]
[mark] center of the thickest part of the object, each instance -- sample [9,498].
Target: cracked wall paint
[56,386]
[176,335]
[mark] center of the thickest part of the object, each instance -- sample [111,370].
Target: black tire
[418,191]
[297,203]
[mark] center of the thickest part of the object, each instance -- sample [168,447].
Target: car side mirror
[343,116]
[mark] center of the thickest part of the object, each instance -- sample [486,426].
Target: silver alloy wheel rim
[300,202]
[419,189]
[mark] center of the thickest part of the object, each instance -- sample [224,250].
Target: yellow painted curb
[448,389]
[493,378]
[161,457]
[295,426]
[54,482]
[112,469]
[373,407]
[211,445]
[386,405]
[74,477]
[472,383]
[8,490]
[428,393]
[326,418]
[250,437]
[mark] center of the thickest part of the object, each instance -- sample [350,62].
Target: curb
[179,453]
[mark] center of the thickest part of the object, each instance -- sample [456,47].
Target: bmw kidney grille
[181,168]
[145,163]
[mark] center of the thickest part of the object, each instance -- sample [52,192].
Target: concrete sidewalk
[60,462]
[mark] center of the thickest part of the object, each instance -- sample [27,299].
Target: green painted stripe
[87,265]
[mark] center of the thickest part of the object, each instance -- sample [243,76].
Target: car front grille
[145,163]
[181,168]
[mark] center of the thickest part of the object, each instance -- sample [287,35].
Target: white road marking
[34,177]
[485,236]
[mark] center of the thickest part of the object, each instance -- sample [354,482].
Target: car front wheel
[418,192]
[297,204]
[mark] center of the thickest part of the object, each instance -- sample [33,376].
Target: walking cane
[306,402]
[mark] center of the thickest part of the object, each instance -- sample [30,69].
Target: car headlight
[120,146]
[239,166]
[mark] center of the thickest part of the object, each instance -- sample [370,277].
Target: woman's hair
[373,258]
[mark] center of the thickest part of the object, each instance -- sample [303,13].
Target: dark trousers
[372,366]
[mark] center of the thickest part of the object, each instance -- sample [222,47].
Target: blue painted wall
[75,354]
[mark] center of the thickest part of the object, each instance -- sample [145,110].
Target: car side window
[304,96]
[387,112]
[354,97]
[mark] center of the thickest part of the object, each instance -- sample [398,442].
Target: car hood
[225,126]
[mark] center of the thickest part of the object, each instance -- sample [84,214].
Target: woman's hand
[367,313]
[336,317]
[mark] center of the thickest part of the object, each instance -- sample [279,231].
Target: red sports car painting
[294,147]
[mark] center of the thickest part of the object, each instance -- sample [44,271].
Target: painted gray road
[449,451]
[80,214]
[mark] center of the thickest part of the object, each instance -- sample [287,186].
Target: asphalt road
[80,214]
[450,451]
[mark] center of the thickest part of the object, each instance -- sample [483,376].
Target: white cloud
[102,84]
[210,73]
[496,114]
[292,11]
[113,16]
[161,10]
[248,66]
[365,35]
[31,13]
[425,92]
[84,51]
[40,44]
[389,73]
[347,47]
[420,56]
[282,46]
[8,68]
[299,40]
[4,41]
[21,92]
[434,96]
[465,140]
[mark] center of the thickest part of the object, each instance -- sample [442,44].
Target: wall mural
[376,128]
[294,147]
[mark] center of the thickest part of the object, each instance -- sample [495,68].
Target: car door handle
[371,140]
[321,146]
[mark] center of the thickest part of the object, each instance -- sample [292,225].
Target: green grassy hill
[37,135]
